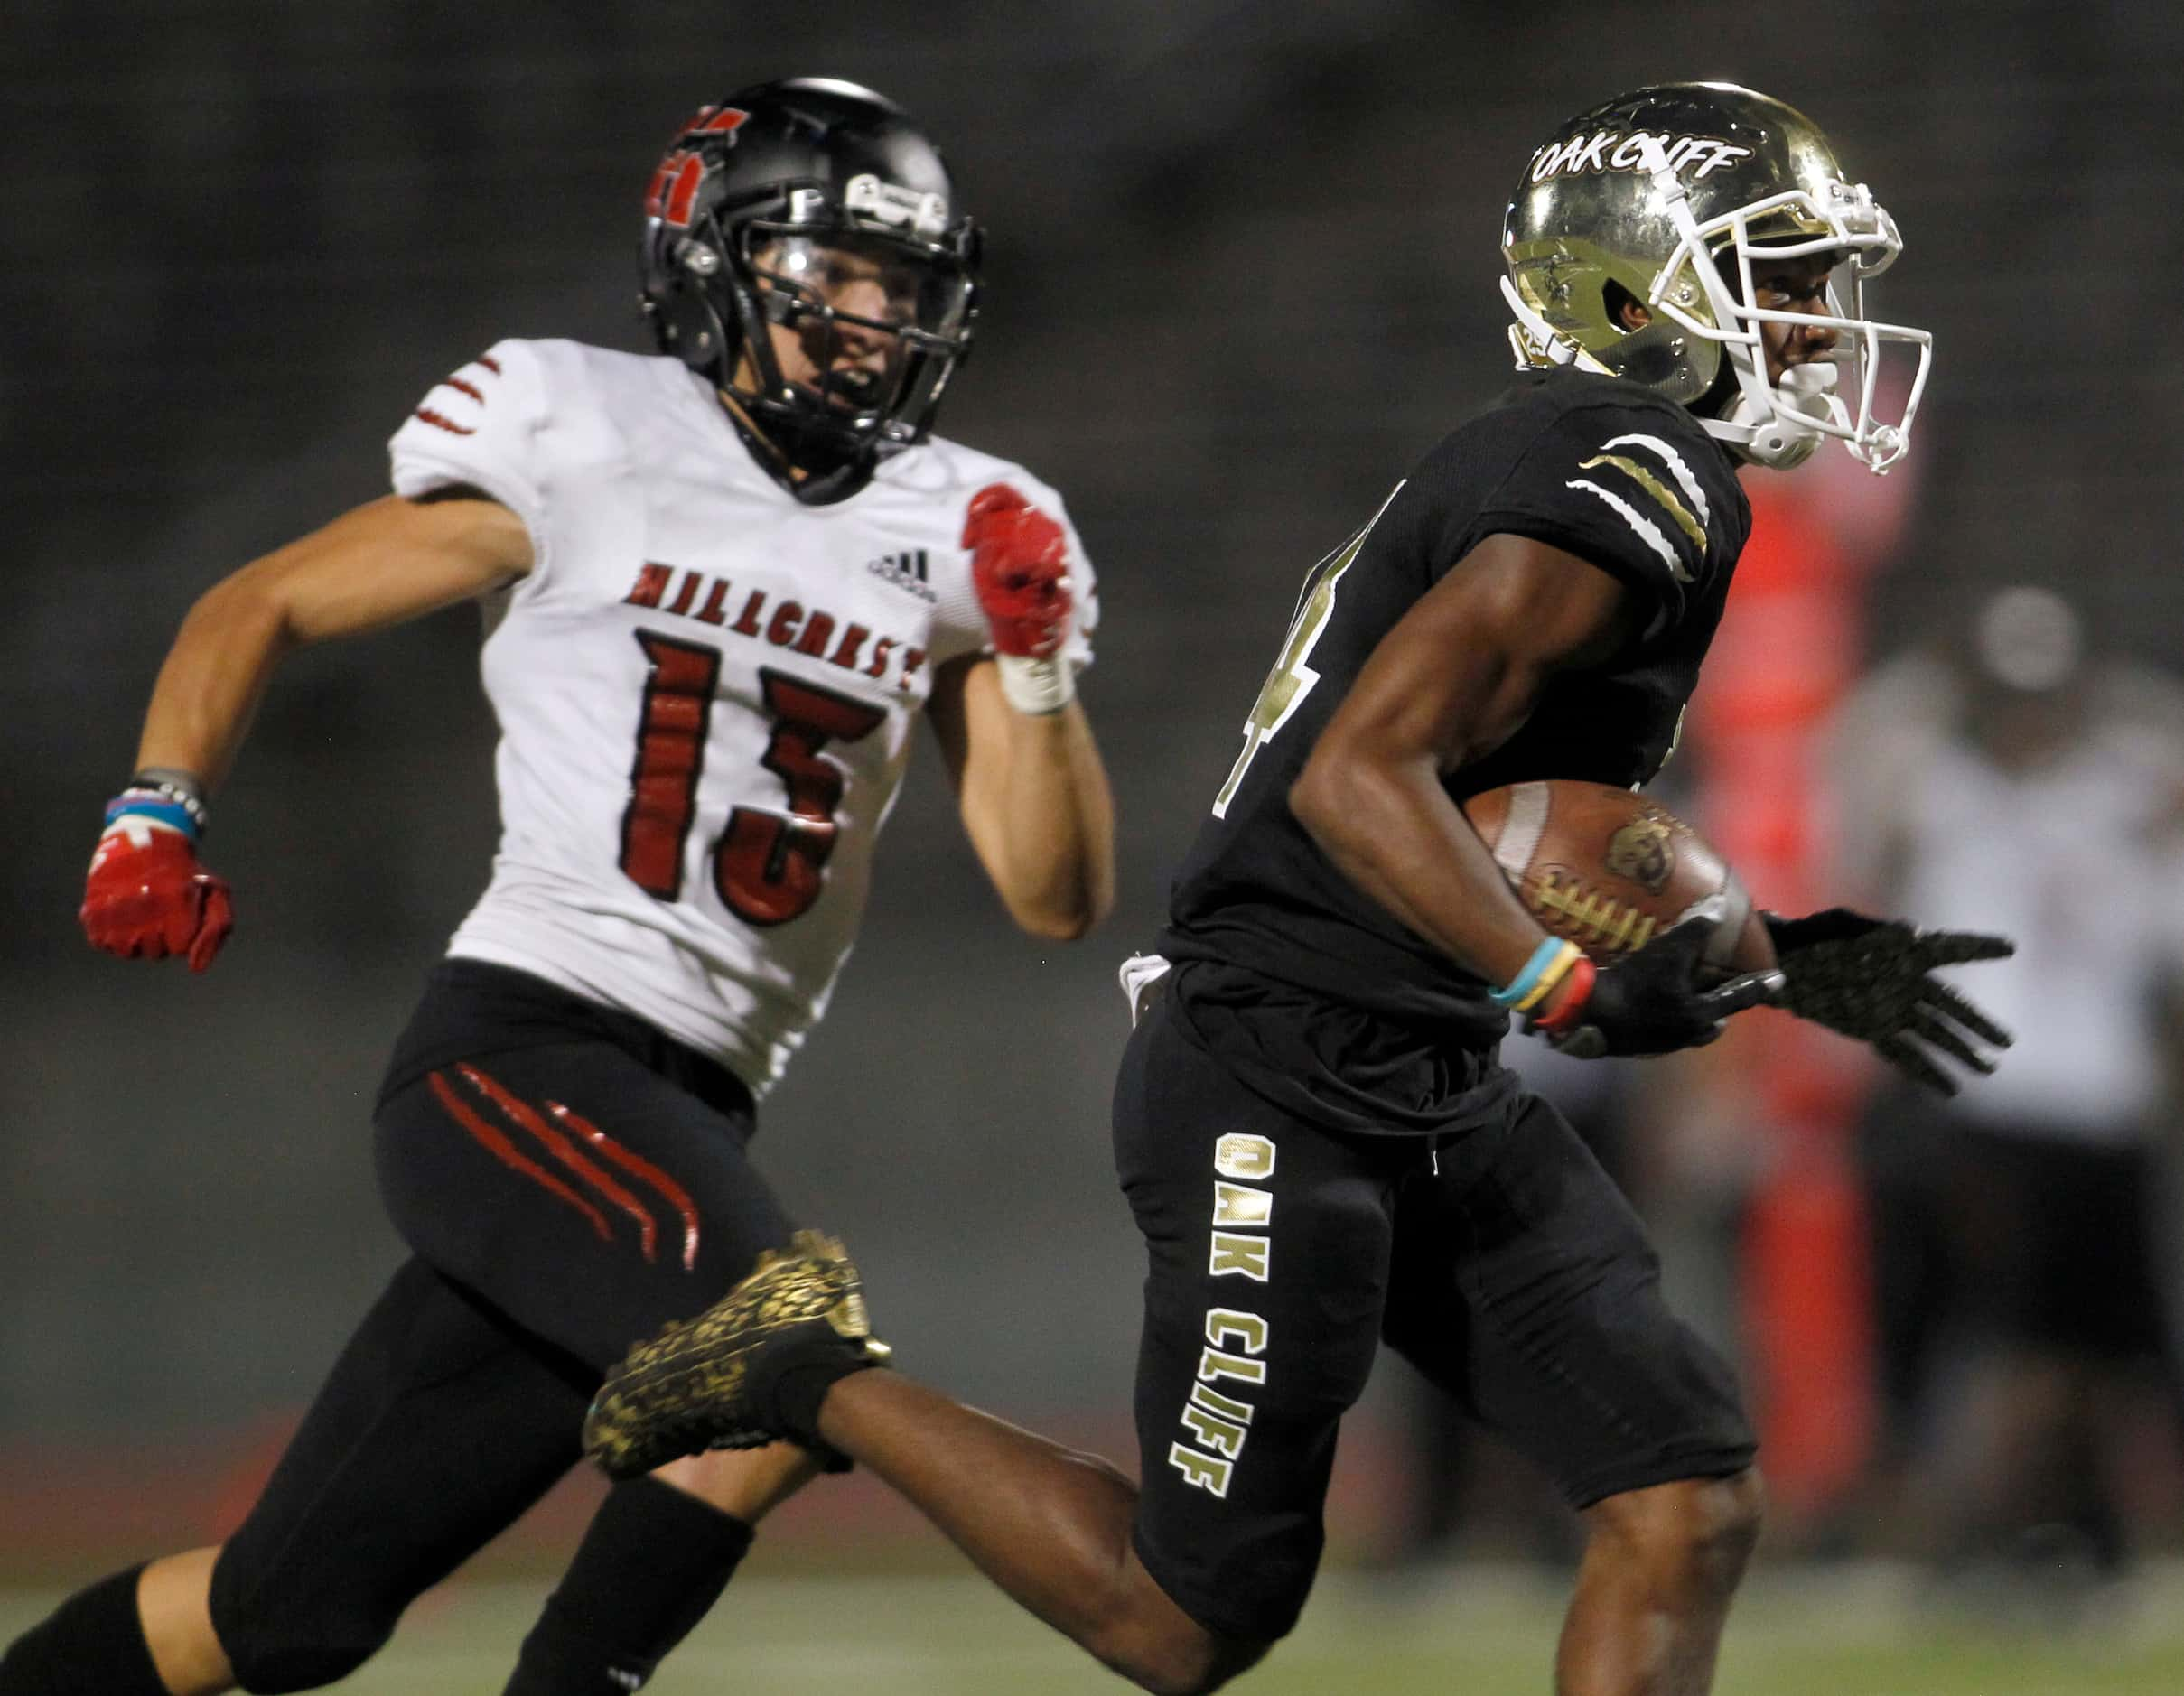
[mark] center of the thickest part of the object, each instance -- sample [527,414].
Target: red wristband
[1576,991]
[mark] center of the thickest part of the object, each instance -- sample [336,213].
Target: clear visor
[871,281]
[1849,228]
[871,322]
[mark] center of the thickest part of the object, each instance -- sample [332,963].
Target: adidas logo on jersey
[910,571]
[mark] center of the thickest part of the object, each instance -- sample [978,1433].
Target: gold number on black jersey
[1291,679]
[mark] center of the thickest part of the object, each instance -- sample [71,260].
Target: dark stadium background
[1242,271]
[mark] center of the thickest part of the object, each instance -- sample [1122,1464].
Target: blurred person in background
[2025,1230]
[719,587]
[1317,1142]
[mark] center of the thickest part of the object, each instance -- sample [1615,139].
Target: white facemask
[1781,424]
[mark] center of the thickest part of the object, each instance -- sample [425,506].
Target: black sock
[801,1386]
[92,1645]
[654,1560]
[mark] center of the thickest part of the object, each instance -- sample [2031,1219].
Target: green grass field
[1468,1632]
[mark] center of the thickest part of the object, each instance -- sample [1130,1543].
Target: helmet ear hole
[1625,311]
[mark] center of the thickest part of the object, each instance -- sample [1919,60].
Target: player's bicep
[1461,672]
[387,562]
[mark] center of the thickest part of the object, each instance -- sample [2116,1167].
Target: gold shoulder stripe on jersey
[1641,527]
[1659,490]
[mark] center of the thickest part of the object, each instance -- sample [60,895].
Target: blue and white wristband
[162,804]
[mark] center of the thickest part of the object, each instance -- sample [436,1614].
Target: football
[1610,870]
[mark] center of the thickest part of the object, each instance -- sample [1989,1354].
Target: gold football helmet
[1654,196]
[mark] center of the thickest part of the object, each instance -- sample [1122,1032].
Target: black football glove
[1651,1001]
[1872,978]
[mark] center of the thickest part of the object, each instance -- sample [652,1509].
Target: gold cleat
[713,1382]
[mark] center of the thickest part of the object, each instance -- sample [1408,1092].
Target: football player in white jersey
[718,586]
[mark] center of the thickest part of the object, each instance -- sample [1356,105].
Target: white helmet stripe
[1646,531]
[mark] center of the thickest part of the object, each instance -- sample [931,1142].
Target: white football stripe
[1522,828]
[1676,468]
[1648,532]
[1723,943]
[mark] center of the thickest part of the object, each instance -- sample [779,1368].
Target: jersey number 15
[768,867]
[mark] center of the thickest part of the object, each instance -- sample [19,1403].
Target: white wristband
[1037,686]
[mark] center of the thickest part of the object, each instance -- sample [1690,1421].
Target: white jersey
[2066,859]
[704,689]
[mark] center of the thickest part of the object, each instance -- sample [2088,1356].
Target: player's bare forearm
[381,565]
[211,681]
[1456,678]
[1391,829]
[1034,798]
[1057,826]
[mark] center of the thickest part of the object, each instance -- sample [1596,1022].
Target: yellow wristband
[1556,969]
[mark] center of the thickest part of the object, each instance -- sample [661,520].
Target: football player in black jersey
[1311,1123]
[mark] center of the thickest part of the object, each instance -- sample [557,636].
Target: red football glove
[147,897]
[1020,565]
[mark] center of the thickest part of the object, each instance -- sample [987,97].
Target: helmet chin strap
[1779,431]
[1769,424]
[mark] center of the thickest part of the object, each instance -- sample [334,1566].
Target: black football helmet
[820,207]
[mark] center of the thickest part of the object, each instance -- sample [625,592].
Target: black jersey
[1594,465]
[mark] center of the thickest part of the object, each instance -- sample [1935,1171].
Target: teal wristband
[1523,984]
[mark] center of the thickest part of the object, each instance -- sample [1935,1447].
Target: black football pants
[1503,1263]
[563,1198]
